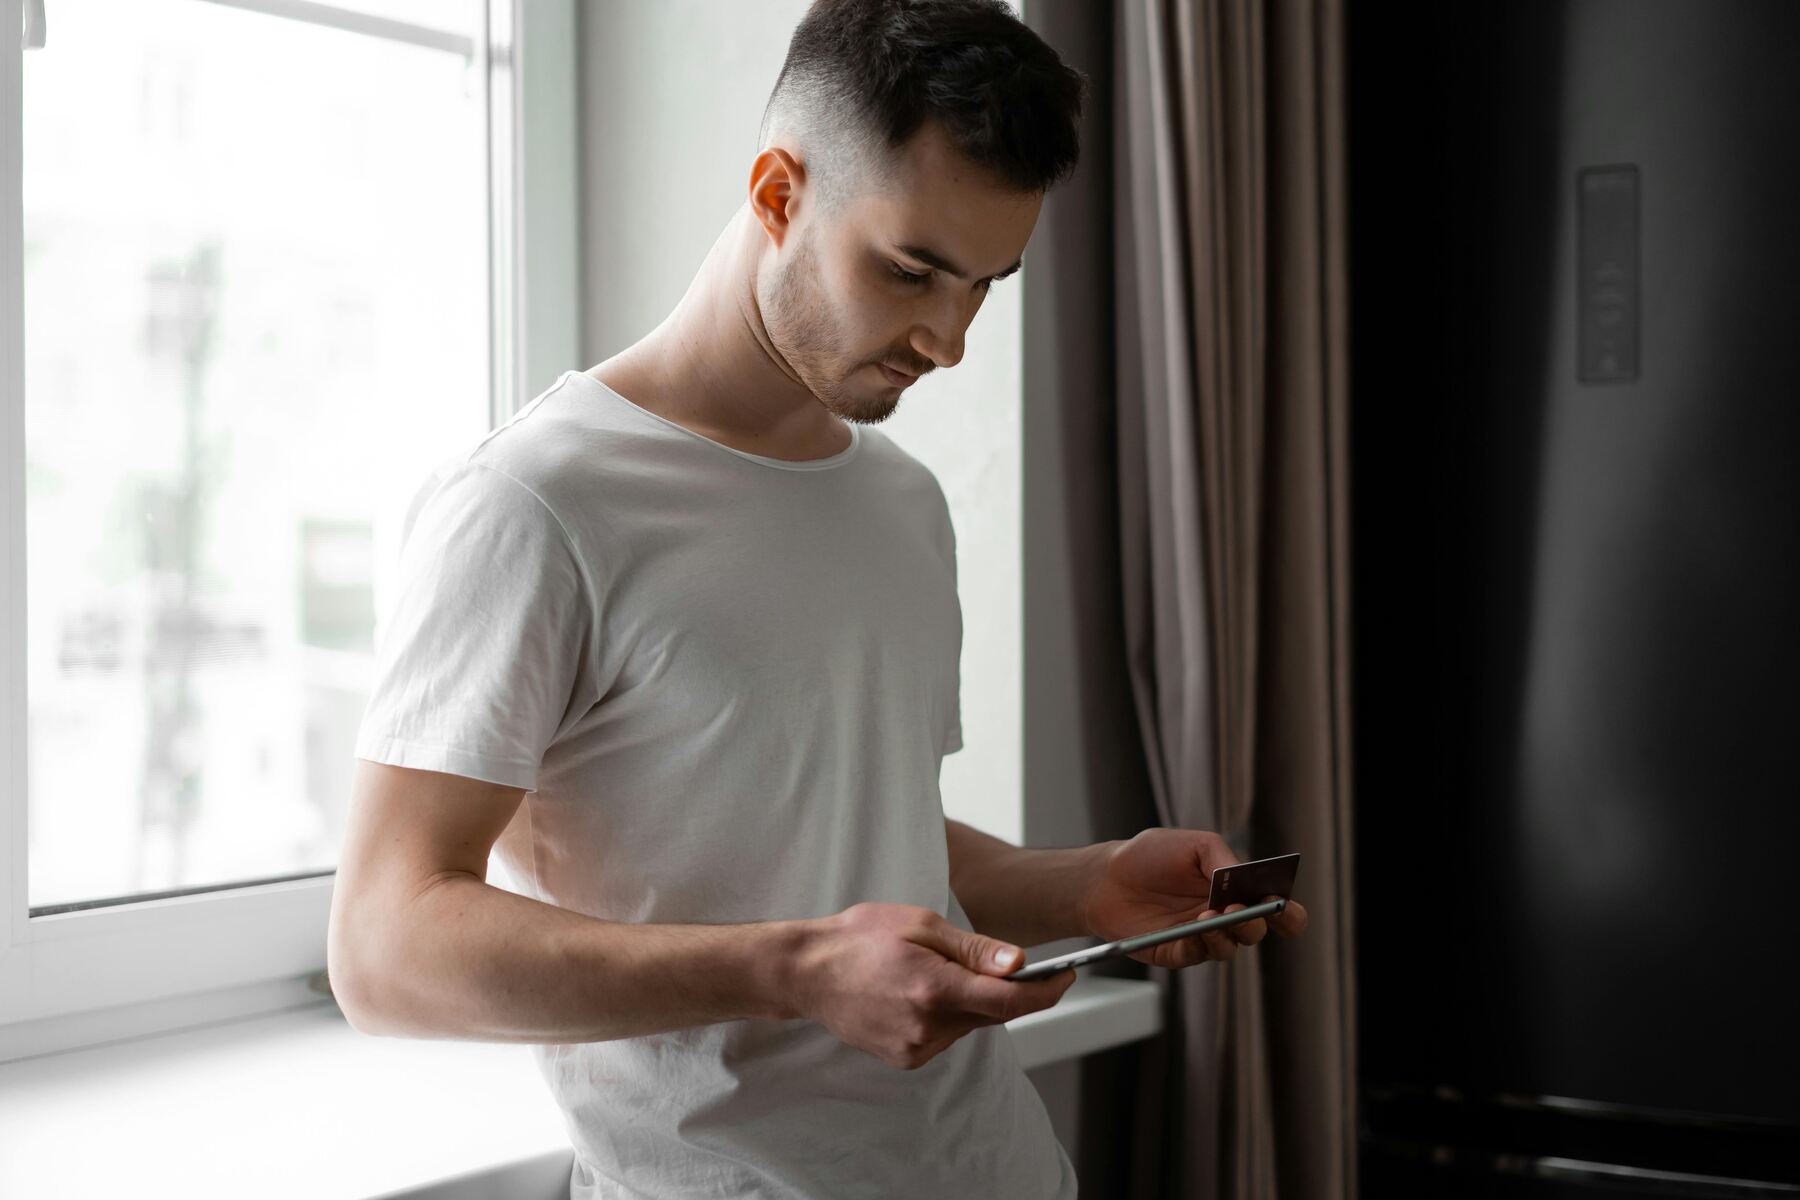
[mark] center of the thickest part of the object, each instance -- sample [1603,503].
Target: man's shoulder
[563,438]
[904,465]
[910,485]
[903,471]
[555,453]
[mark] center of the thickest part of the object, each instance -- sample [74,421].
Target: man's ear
[776,181]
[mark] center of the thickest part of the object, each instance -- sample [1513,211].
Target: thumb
[975,951]
[988,956]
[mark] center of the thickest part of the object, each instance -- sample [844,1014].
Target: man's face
[836,307]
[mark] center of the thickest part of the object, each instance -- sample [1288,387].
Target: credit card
[1250,882]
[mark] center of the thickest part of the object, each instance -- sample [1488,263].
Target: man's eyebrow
[932,258]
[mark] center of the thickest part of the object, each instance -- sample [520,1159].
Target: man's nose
[942,340]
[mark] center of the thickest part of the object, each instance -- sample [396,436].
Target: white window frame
[94,975]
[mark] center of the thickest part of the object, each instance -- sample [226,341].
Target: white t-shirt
[728,682]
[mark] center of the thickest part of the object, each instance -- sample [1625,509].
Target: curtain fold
[1227,225]
[1162,576]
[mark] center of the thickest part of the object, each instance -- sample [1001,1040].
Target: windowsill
[299,1104]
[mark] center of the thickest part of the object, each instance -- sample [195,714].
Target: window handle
[34,24]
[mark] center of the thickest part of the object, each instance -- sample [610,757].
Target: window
[262,269]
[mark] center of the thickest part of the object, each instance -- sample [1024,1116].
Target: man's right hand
[900,982]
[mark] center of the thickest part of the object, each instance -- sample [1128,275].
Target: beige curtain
[1232,377]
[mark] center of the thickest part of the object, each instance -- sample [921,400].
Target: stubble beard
[799,323]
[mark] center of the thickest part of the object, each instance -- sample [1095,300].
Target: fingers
[1003,999]
[1291,920]
[1220,945]
[1005,1008]
[1250,932]
[1189,951]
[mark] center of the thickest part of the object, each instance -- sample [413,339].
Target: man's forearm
[468,961]
[1026,897]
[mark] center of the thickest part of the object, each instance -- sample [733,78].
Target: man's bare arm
[1022,896]
[421,945]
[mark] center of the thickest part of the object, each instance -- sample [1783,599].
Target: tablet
[1080,958]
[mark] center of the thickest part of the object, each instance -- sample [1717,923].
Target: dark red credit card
[1250,882]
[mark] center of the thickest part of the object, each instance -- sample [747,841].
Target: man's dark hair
[862,76]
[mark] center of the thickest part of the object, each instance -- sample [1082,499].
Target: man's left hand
[1161,878]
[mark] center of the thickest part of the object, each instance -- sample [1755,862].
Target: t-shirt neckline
[783,464]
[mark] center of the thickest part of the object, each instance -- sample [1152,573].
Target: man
[680,642]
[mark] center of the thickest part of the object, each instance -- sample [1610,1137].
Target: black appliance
[1575,354]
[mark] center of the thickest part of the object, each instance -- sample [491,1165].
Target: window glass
[255,316]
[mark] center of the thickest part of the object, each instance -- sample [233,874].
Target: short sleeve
[480,659]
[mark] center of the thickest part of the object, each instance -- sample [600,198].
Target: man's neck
[711,368]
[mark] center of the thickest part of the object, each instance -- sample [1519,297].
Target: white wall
[673,94]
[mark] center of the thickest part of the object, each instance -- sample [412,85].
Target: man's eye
[908,276]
